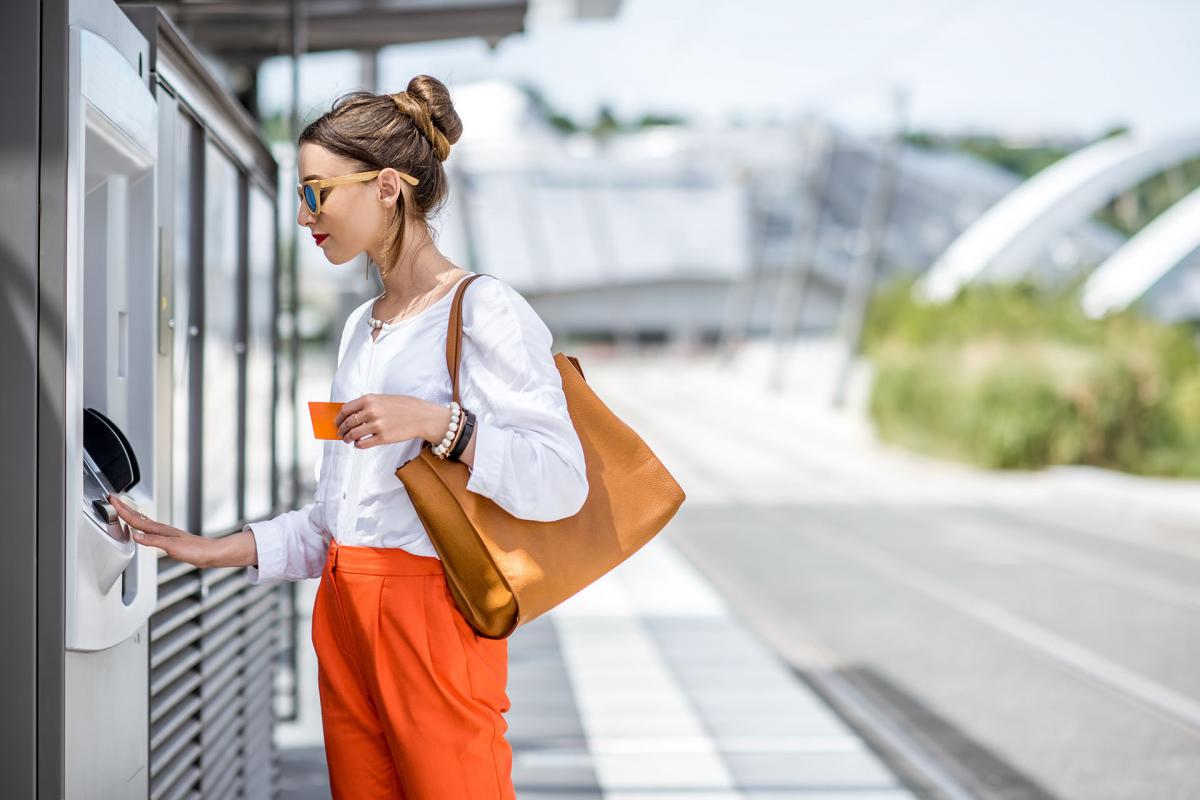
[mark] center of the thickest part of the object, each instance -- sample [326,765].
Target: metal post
[603,239]
[299,45]
[350,291]
[874,229]
[461,186]
[789,300]
[739,300]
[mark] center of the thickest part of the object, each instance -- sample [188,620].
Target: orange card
[323,416]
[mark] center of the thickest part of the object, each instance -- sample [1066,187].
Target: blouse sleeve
[528,457]
[292,546]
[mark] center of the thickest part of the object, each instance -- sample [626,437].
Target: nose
[304,216]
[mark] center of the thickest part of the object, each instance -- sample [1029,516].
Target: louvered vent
[213,645]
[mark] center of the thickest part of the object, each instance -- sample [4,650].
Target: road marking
[1165,701]
[1064,556]
[1053,519]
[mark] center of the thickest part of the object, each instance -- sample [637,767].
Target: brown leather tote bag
[504,571]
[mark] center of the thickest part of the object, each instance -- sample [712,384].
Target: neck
[420,269]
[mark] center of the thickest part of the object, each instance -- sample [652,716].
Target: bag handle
[454,335]
[454,338]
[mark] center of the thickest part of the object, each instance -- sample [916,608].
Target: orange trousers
[411,697]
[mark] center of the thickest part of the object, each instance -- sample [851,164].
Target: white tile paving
[645,730]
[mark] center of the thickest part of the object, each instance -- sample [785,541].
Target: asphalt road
[995,635]
[1024,656]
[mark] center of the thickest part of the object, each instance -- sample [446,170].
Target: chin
[337,260]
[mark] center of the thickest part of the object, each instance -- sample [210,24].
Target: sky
[1048,68]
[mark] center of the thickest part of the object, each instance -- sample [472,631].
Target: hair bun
[435,115]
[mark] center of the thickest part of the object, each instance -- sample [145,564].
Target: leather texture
[503,571]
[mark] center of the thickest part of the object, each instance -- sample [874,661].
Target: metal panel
[211,715]
[43,273]
[32,328]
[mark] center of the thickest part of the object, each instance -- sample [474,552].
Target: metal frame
[32,354]
[1157,249]
[1004,239]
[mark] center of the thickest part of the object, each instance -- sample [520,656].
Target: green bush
[1014,377]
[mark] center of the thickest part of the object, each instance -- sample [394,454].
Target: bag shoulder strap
[454,334]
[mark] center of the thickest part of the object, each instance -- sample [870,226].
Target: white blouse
[528,458]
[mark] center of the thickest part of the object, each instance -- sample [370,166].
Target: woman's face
[353,216]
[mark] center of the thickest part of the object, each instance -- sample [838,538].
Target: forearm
[236,550]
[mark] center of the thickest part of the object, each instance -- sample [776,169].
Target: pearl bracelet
[442,448]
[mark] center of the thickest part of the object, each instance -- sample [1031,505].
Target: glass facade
[186,135]
[259,358]
[219,390]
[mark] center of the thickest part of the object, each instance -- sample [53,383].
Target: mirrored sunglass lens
[310,199]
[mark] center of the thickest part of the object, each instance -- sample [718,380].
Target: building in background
[647,236]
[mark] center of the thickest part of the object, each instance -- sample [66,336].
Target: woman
[411,697]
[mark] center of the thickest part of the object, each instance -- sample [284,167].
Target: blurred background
[903,294]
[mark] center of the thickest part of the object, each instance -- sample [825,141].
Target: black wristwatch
[461,444]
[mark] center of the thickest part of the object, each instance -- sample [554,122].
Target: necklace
[379,323]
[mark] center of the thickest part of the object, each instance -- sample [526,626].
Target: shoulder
[487,296]
[499,322]
[492,308]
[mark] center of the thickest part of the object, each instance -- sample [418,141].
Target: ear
[390,186]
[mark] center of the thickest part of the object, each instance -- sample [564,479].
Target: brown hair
[410,131]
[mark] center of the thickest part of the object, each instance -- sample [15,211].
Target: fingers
[174,542]
[367,430]
[137,520]
[353,428]
[369,440]
[124,512]
[357,425]
[143,529]
[349,409]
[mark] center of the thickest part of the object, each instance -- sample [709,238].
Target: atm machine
[140,284]
[116,386]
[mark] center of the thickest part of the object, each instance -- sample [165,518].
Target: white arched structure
[1007,237]
[1145,259]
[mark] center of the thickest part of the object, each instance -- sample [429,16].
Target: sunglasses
[312,192]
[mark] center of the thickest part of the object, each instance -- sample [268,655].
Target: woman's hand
[180,545]
[375,419]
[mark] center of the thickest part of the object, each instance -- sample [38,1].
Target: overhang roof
[240,32]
